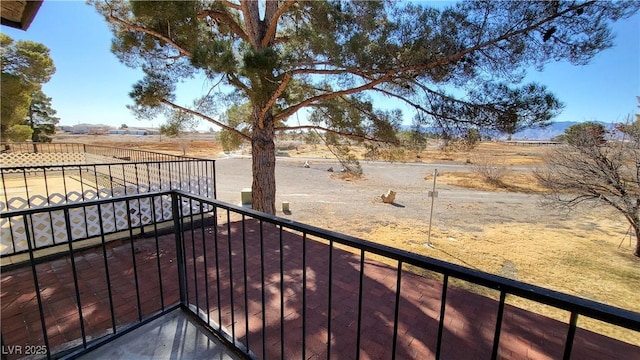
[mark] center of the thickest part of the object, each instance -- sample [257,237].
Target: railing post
[570,335]
[177,230]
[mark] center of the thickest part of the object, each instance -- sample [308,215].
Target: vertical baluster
[573,322]
[133,257]
[304,296]
[443,304]
[396,312]
[246,279]
[496,337]
[106,269]
[206,266]
[262,299]
[360,287]
[281,294]
[230,254]
[329,315]
[67,220]
[177,226]
[34,273]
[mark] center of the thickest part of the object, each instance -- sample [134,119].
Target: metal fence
[59,173]
[104,153]
[30,187]
[274,288]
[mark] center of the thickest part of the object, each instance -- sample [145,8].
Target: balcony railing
[275,288]
[60,174]
[83,153]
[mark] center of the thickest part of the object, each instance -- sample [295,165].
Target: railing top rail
[614,315]
[181,161]
[84,146]
[144,151]
[31,211]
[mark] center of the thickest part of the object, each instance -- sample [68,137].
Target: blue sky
[92,86]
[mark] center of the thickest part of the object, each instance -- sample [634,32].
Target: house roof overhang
[19,13]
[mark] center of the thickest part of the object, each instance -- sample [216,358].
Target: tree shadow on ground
[298,300]
[232,271]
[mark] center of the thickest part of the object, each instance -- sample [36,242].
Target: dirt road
[320,198]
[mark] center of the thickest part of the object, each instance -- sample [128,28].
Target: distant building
[134,131]
[90,129]
[117,132]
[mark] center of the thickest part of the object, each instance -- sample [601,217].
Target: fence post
[177,230]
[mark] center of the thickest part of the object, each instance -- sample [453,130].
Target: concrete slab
[173,336]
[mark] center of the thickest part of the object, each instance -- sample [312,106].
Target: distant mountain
[550,131]
[536,133]
[546,133]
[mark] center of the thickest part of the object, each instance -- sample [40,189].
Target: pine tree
[332,56]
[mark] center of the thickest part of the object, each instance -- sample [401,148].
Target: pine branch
[157,35]
[322,128]
[310,101]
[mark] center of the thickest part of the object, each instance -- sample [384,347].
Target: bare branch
[420,107]
[227,20]
[273,21]
[205,117]
[231,5]
[272,100]
[292,109]
[233,79]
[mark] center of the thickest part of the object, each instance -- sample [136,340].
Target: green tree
[26,65]
[471,138]
[41,117]
[332,56]
[236,117]
[15,105]
[177,124]
[311,137]
[584,134]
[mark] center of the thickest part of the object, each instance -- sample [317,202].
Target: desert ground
[501,229]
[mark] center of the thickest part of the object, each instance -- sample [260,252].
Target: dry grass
[512,155]
[205,145]
[201,145]
[561,260]
[522,182]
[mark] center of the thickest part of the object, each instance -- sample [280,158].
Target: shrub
[490,169]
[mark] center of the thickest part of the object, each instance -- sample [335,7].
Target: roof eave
[28,14]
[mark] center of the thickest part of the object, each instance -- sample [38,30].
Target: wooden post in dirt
[433,194]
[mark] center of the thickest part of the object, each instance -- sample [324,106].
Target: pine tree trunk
[263,155]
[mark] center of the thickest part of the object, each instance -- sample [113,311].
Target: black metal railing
[34,147]
[275,288]
[23,182]
[77,298]
[100,153]
[43,186]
